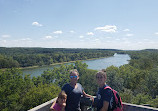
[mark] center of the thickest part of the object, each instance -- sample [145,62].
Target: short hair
[102,72]
[74,70]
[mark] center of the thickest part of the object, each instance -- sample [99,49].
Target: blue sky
[107,24]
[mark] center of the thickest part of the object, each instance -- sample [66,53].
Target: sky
[104,24]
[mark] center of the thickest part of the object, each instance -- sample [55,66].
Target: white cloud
[6,36]
[71,31]
[156,33]
[58,32]
[4,41]
[81,36]
[140,42]
[129,35]
[107,28]
[26,39]
[117,39]
[37,24]
[108,37]
[95,40]
[90,33]
[126,30]
[48,37]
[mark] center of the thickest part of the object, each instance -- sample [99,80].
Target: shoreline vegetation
[35,57]
[31,67]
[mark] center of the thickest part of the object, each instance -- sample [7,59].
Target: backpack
[117,104]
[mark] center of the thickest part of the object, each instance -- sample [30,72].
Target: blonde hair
[102,72]
[74,70]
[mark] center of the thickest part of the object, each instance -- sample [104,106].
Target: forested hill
[24,50]
[24,57]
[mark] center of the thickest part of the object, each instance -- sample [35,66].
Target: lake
[96,64]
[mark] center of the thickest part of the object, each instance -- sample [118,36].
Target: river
[96,64]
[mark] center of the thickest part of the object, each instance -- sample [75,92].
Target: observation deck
[85,103]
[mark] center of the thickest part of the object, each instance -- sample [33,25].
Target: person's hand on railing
[92,99]
[51,109]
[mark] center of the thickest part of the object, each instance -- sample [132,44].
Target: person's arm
[105,106]
[87,95]
[52,107]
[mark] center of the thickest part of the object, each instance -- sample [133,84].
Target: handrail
[44,107]
[86,102]
[134,107]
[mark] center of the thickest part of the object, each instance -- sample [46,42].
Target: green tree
[141,99]
[151,81]
[40,94]
[88,81]
[126,95]
[113,78]
[154,102]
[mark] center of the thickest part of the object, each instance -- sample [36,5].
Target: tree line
[26,57]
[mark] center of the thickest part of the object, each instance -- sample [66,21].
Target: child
[60,103]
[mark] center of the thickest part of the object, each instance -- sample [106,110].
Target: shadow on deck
[85,103]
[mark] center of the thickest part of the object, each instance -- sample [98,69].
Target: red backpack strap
[108,87]
[121,102]
[116,99]
[114,92]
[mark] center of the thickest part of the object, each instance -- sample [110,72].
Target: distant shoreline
[31,67]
